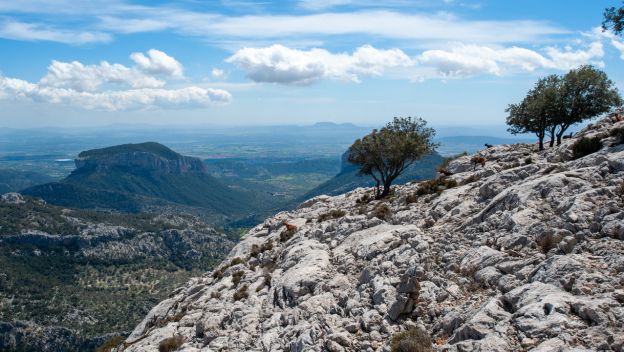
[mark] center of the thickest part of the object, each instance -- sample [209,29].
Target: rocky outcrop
[145,156]
[525,253]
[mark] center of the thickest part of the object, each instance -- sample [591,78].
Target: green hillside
[131,188]
[16,180]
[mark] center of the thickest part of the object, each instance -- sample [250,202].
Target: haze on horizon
[452,62]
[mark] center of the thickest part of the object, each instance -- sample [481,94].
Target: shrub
[435,186]
[382,212]
[241,293]
[528,161]
[215,294]
[585,146]
[217,274]
[110,344]
[170,344]
[237,276]
[412,340]
[364,199]
[411,198]
[236,261]
[332,214]
[618,133]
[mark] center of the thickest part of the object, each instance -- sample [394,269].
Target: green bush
[412,340]
[585,146]
[241,293]
[528,161]
[332,214]
[171,344]
[435,186]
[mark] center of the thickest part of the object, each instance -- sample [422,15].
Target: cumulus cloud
[78,76]
[279,64]
[11,88]
[89,86]
[469,60]
[159,63]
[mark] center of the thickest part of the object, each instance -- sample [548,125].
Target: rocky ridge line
[525,253]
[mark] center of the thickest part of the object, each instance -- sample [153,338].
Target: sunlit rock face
[525,253]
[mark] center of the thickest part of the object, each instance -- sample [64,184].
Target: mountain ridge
[524,253]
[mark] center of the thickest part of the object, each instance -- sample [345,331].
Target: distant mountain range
[145,176]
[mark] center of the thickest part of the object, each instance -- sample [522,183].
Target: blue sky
[452,62]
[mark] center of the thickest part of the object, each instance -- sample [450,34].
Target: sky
[89,63]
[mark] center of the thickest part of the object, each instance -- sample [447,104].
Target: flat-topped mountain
[146,177]
[148,156]
[524,253]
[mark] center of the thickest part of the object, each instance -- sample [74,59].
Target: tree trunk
[541,142]
[386,190]
[562,129]
[552,136]
[377,192]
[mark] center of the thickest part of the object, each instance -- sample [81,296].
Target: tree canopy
[384,154]
[613,20]
[558,102]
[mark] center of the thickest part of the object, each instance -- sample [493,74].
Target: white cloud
[469,60]
[76,76]
[279,64]
[131,99]
[158,62]
[615,41]
[218,73]
[88,86]
[34,32]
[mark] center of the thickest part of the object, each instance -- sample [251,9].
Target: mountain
[144,177]
[523,253]
[71,279]
[347,179]
[16,180]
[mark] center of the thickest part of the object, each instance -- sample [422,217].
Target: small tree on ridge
[385,154]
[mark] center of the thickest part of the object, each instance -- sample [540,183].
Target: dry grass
[332,214]
[171,344]
[241,293]
[412,340]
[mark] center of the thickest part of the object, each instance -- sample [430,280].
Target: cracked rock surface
[524,254]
